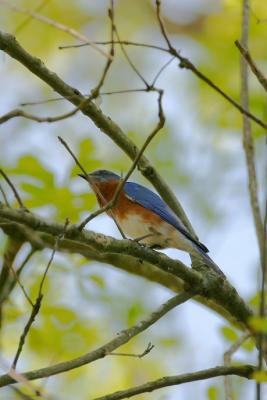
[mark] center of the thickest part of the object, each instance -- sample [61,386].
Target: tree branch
[256,71]
[244,371]
[120,339]
[119,252]
[248,144]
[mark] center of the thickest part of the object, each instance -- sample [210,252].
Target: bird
[143,215]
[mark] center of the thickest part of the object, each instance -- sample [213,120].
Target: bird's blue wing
[151,201]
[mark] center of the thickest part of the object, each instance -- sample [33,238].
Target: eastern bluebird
[144,216]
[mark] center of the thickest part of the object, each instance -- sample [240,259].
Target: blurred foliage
[259,324]
[260,376]
[213,393]
[198,152]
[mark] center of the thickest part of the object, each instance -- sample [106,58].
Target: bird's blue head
[101,176]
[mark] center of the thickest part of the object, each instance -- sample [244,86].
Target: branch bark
[120,339]
[211,287]
[244,371]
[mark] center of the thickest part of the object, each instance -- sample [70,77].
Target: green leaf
[87,158]
[29,165]
[248,345]
[259,324]
[260,376]
[213,393]
[98,280]
[169,341]
[134,313]
[229,334]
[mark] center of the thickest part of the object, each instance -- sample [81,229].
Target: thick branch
[244,371]
[211,286]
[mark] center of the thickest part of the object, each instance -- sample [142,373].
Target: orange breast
[124,206]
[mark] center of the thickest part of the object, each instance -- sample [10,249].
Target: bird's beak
[89,178]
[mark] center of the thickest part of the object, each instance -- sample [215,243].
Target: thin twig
[89,180]
[119,42]
[16,279]
[18,272]
[17,196]
[134,68]
[20,269]
[4,196]
[53,23]
[35,310]
[161,24]
[121,338]
[227,361]
[161,70]
[20,113]
[248,140]
[141,355]
[38,301]
[184,63]
[249,151]
[244,371]
[54,99]
[55,249]
[257,72]
[119,188]
[95,91]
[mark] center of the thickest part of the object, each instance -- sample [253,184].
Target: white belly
[163,235]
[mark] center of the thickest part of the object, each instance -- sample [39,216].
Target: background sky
[199,152]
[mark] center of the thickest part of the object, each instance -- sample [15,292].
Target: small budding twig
[141,355]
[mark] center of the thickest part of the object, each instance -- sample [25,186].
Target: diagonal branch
[14,190]
[244,371]
[121,338]
[254,68]
[101,247]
